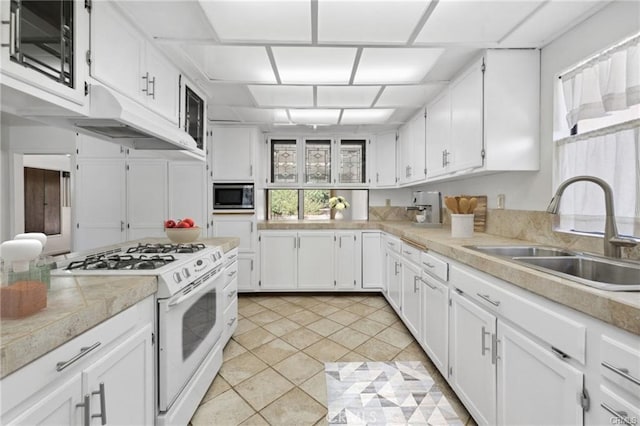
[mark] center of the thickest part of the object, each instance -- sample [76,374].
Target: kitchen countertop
[75,305]
[621,309]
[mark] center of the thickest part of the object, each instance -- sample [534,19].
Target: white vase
[338,215]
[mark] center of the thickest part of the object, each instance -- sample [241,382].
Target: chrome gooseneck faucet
[612,241]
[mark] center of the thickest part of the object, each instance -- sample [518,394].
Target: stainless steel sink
[592,270]
[522,251]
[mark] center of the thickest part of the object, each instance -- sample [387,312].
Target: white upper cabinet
[487,119]
[122,59]
[56,78]
[411,150]
[385,160]
[232,153]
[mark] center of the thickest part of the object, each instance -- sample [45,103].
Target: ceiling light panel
[357,22]
[315,116]
[314,65]
[262,115]
[397,96]
[260,21]
[283,96]
[346,96]
[399,66]
[474,21]
[365,116]
[222,113]
[238,63]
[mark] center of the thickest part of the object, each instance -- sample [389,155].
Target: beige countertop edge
[75,305]
[621,309]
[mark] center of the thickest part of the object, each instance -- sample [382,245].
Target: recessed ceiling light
[386,65]
[238,63]
[314,65]
[314,116]
[346,96]
[365,116]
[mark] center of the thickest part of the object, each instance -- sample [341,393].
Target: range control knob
[186,273]
[176,277]
[199,262]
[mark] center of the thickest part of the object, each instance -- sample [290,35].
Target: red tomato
[169,223]
[190,221]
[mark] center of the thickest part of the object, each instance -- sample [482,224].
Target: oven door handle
[176,300]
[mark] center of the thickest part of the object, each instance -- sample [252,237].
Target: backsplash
[391,213]
[536,226]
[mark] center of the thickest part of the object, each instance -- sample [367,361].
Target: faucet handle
[623,242]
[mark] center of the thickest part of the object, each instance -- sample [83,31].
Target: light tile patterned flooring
[273,368]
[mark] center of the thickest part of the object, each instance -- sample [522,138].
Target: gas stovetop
[175,265]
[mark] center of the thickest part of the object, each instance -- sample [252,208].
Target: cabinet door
[393,278]
[529,372]
[121,383]
[232,154]
[347,260]
[162,94]
[372,260]
[146,198]
[278,260]
[316,260]
[411,297]
[467,119]
[405,152]
[472,370]
[418,151]
[58,407]
[187,187]
[246,272]
[438,134]
[435,322]
[117,51]
[100,211]
[236,225]
[385,160]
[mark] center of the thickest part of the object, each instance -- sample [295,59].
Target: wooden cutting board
[480,213]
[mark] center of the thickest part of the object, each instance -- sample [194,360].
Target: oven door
[189,325]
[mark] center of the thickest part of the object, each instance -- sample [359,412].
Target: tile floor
[273,368]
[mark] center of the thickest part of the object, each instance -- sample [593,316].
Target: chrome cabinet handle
[484,333]
[377,177]
[250,169]
[396,268]
[429,265]
[407,252]
[488,299]
[86,404]
[145,77]
[103,405]
[432,287]
[494,348]
[231,321]
[232,273]
[415,283]
[122,226]
[624,372]
[83,351]
[152,83]
[620,415]
[230,295]
[252,264]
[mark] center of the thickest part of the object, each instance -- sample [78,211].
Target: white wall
[397,197]
[533,190]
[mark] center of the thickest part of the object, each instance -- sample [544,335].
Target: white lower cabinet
[393,272]
[247,272]
[435,322]
[372,261]
[535,386]
[103,376]
[411,297]
[241,226]
[312,260]
[472,357]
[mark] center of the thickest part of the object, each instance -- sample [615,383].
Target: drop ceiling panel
[365,116]
[314,65]
[381,21]
[287,96]
[238,63]
[260,21]
[222,113]
[417,96]
[314,116]
[550,20]
[474,21]
[261,115]
[402,65]
[228,94]
[346,96]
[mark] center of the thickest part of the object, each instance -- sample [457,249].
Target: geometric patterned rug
[385,393]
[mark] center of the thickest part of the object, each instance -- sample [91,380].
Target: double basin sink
[592,270]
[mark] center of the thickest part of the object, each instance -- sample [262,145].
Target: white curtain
[612,154]
[608,82]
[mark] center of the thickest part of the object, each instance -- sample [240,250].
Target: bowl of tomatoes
[182,231]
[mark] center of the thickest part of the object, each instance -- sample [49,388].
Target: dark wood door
[42,201]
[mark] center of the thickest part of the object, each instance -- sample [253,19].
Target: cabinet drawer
[434,266]
[230,273]
[230,293]
[614,409]
[392,243]
[620,364]
[230,320]
[410,253]
[538,318]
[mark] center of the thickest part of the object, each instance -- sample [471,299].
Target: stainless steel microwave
[227,196]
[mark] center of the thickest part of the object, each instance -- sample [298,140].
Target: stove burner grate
[166,248]
[121,262]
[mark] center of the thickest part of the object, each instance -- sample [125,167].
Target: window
[352,161]
[317,161]
[284,161]
[313,204]
[283,204]
[596,133]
